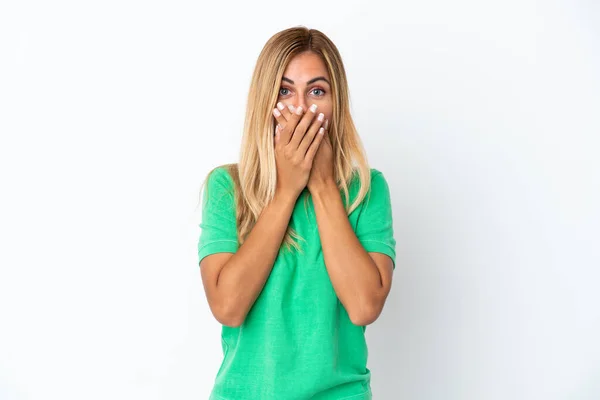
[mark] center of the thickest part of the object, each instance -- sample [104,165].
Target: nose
[302,102]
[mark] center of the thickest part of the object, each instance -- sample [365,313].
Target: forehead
[304,67]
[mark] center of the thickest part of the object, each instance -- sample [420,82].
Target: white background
[484,117]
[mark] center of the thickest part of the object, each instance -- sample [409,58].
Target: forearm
[246,272]
[352,271]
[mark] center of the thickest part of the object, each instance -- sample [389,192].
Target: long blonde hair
[255,175]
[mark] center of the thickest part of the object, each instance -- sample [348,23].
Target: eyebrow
[318,78]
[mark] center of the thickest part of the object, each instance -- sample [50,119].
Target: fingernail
[280,106]
[291,108]
[276,112]
[313,108]
[321,116]
[299,110]
[326,123]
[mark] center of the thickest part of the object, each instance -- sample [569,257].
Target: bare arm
[361,280]
[233,281]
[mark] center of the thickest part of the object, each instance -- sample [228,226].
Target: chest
[300,276]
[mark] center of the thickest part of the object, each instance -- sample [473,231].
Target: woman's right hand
[297,139]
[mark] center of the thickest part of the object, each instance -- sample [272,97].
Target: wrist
[285,197]
[324,188]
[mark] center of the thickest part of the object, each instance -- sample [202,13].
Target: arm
[233,285]
[361,280]
[233,281]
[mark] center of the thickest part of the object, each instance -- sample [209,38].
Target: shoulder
[378,181]
[375,184]
[377,173]
[356,180]
[222,175]
[220,183]
[378,193]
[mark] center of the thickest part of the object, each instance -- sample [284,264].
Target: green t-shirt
[297,341]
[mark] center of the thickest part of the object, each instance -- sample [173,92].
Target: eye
[283,94]
[319,89]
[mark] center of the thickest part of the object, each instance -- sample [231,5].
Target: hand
[297,140]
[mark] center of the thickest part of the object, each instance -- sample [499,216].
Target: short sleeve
[218,226]
[374,227]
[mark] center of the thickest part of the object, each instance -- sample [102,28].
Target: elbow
[366,316]
[229,316]
[232,323]
[363,320]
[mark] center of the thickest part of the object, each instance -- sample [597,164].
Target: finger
[285,110]
[312,150]
[302,126]
[288,128]
[279,119]
[310,135]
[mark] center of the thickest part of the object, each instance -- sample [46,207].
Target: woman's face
[306,82]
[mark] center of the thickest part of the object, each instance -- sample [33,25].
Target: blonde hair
[255,175]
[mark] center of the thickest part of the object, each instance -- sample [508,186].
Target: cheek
[326,109]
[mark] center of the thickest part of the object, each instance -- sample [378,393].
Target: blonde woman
[296,246]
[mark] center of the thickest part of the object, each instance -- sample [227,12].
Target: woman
[296,246]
